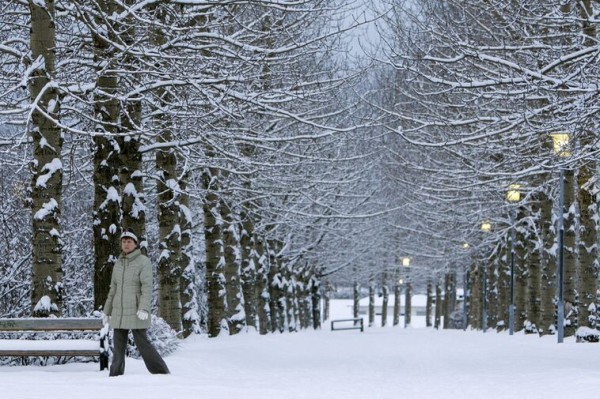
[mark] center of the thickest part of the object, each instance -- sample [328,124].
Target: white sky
[364,37]
[381,363]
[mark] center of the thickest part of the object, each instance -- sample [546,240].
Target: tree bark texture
[429,304]
[213,237]
[371,304]
[548,265]
[475,295]
[520,272]
[190,313]
[533,266]
[397,303]
[385,291]
[236,316]
[248,270]
[571,297]
[437,322]
[408,304]
[276,289]
[503,284]
[263,295]
[107,187]
[588,247]
[47,292]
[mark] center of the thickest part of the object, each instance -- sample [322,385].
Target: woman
[128,307]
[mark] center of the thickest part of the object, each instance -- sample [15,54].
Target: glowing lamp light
[486,226]
[560,143]
[406,261]
[513,194]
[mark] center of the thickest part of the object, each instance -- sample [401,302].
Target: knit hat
[129,234]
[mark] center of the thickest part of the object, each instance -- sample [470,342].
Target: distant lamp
[466,245]
[486,226]
[561,149]
[514,193]
[560,143]
[406,261]
[400,281]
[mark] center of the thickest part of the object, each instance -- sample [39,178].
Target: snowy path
[388,362]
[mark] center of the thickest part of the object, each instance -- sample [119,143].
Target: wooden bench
[55,347]
[357,324]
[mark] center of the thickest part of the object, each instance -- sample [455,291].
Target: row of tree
[236,139]
[219,132]
[479,88]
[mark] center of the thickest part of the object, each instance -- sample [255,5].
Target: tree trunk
[397,302]
[571,299]
[248,270]
[168,201]
[493,290]
[587,250]
[356,300]
[503,283]
[548,273]
[384,303]
[533,263]
[520,273]
[475,296]
[290,291]
[449,297]
[190,314]
[407,305]
[47,292]
[429,304]
[215,279]
[276,290]
[371,304]
[236,316]
[314,286]
[107,187]
[131,174]
[326,301]
[438,306]
[169,235]
[263,307]
[588,247]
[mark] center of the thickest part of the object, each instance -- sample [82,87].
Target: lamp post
[466,246]
[560,145]
[406,263]
[512,195]
[486,227]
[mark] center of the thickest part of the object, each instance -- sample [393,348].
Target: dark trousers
[154,363]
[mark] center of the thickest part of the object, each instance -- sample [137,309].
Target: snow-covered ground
[388,362]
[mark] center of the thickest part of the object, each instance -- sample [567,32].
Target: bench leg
[103,361]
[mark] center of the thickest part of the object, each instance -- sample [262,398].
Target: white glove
[105,319]
[142,314]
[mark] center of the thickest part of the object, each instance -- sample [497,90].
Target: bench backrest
[50,324]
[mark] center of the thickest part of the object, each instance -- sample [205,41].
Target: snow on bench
[357,324]
[55,347]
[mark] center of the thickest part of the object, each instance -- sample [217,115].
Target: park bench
[357,324]
[21,346]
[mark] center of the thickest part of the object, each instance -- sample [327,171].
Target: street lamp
[560,145]
[486,227]
[407,309]
[512,195]
[465,246]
